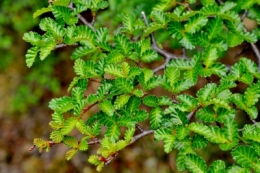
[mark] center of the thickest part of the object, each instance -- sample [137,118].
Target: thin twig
[110,158]
[144,133]
[64,45]
[155,46]
[82,19]
[220,2]
[87,108]
[161,67]
[140,128]
[189,116]
[244,15]
[254,47]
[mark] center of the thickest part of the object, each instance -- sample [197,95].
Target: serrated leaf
[123,44]
[121,101]
[217,166]
[199,142]
[56,136]
[68,125]
[151,101]
[41,11]
[70,141]
[195,23]
[213,134]
[175,29]
[83,145]
[69,154]
[214,27]
[195,164]
[149,56]
[114,70]
[155,117]
[244,155]
[107,107]
[31,55]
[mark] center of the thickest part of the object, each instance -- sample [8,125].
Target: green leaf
[217,166]
[188,41]
[70,141]
[210,9]
[187,103]
[151,101]
[167,137]
[61,2]
[113,133]
[214,27]
[159,17]
[133,104]
[244,156]
[33,38]
[46,49]
[31,55]
[41,11]
[121,101]
[82,51]
[83,145]
[213,134]
[128,22]
[156,117]
[199,142]
[56,136]
[195,164]
[140,116]
[152,28]
[129,134]
[195,23]
[114,70]
[172,74]
[107,107]
[206,92]
[62,104]
[124,85]
[115,57]
[79,67]
[252,94]
[251,132]
[237,169]
[175,29]
[206,114]
[181,132]
[68,125]
[69,154]
[149,56]
[123,44]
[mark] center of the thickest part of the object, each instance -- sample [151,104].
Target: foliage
[184,122]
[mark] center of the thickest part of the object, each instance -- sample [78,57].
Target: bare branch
[161,67]
[144,133]
[219,2]
[83,20]
[155,46]
[254,47]
[64,45]
[87,108]
[140,128]
[189,116]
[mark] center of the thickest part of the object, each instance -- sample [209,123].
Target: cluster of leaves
[124,82]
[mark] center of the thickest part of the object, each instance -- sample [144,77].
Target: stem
[144,133]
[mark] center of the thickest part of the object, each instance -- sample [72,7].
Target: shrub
[118,61]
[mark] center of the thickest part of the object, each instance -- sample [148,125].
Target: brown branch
[87,108]
[140,128]
[254,47]
[155,46]
[82,19]
[64,45]
[144,133]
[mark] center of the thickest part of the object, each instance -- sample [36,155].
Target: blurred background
[25,93]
